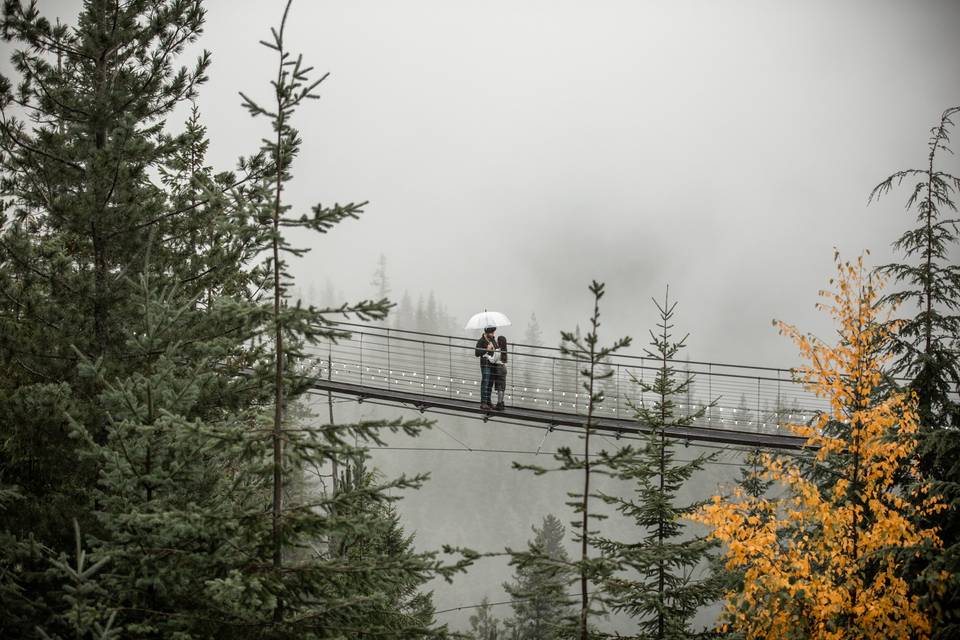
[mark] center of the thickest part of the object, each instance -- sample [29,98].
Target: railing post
[616,404]
[361,358]
[423,380]
[709,394]
[450,362]
[758,403]
[389,372]
[777,410]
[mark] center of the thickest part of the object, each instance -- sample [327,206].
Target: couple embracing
[492,352]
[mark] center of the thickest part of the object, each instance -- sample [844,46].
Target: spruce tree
[143,374]
[539,591]
[407,609]
[82,209]
[926,355]
[297,591]
[405,314]
[79,202]
[173,492]
[657,581]
[534,367]
[484,625]
[533,336]
[586,352]
[380,281]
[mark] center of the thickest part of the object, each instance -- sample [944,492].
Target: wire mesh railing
[734,397]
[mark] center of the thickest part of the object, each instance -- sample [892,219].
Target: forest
[166,473]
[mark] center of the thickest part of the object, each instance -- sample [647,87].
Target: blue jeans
[486,384]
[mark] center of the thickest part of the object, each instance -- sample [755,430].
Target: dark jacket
[500,344]
[482,349]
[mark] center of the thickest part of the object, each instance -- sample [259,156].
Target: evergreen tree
[84,616]
[420,316]
[82,209]
[380,282]
[78,206]
[742,415]
[535,368]
[434,323]
[533,336]
[539,592]
[296,590]
[586,352]
[407,610]
[140,382]
[925,353]
[331,297]
[173,492]
[484,625]
[405,318]
[656,583]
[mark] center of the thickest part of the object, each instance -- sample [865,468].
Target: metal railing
[735,397]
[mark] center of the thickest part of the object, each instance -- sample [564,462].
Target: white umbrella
[486,319]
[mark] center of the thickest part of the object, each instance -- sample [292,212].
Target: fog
[511,152]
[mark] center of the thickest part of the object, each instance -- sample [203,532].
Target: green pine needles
[926,351]
[154,364]
[925,345]
[539,591]
[663,577]
[590,356]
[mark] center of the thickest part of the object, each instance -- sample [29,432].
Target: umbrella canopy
[486,319]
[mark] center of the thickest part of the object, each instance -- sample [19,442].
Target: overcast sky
[513,151]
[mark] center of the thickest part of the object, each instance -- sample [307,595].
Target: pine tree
[405,314]
[822,561]
[539,591]
[295,591]
[406,610]
[534,368]
[380,282]
[420,315]
[140,383]
[331,297]
[656,581]
[926,354]
[82,209]
[533,336]
[434,322]
[484,625]
[586,352]
[171,495]
[84,615]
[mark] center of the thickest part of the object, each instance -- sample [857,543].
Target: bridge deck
[620,426]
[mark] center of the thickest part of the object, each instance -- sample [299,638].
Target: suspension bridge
[740,405]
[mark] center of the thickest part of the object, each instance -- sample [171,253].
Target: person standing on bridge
[486,346]
[498,359]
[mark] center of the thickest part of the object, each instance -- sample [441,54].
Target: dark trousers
[486,384]
[500,377]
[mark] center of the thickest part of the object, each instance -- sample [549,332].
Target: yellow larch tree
[825,560]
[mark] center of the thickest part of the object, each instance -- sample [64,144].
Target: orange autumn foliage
[818,562]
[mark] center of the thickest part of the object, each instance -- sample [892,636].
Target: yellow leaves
[803,555]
